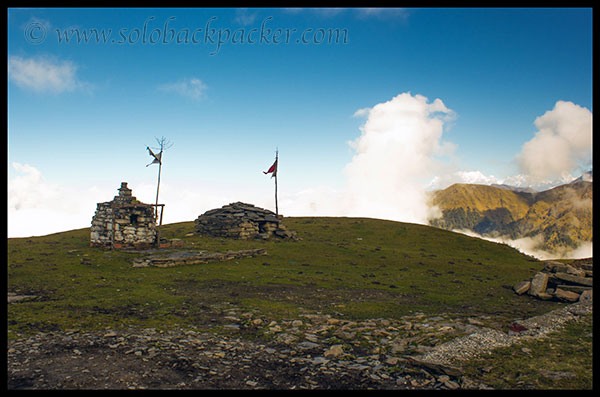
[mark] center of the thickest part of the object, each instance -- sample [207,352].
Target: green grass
[351,267]
[563,360]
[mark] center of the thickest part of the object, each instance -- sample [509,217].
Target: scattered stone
[522,287]
[436,366]
[557,375]
[201,359]
[334,351]
[307,345]
[392,360]
[474,321]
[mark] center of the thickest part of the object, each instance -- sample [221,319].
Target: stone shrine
[124,222]
[243,221]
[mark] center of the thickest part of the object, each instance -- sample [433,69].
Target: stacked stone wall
[123,223]
[243,221]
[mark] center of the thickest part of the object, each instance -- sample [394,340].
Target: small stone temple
[243,221]
[123,223]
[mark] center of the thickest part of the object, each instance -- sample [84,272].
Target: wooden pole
[162,209]
[157,187]
[276,172]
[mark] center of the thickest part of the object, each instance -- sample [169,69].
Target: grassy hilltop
[351,267]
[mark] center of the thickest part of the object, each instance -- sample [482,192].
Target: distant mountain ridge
[562,216]
[514,188]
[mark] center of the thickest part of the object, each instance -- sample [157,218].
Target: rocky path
[246,351]
[449,355]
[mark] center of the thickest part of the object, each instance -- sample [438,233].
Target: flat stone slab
[587,281]
[12,298]
[194,258]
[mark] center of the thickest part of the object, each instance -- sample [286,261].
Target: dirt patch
[308,297]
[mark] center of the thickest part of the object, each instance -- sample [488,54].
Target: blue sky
[81,114]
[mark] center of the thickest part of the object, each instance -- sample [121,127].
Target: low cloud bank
[530,246]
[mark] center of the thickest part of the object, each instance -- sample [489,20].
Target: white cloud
[562,145]
[531,246]
[244,17]
[45,75]
[192,88]
[382,13]
[316,201]
[36,207]
[476,177]
[395,155]
[328,11]
[364,112]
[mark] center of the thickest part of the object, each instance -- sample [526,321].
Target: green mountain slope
[350,267]
[562,215]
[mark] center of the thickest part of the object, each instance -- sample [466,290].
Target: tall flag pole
[157,159]
[273,169]
[276,207]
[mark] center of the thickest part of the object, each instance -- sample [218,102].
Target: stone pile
[558,281]
[243,221]
[123,223]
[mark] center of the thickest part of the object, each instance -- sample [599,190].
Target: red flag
[273,169]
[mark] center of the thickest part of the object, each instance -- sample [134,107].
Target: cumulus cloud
[36,207]
[192,88]
[45,75]
[394,158]
[394,155]
[562,144]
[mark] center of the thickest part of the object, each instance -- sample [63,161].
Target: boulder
[560,281]
[522,287]
[588,281]
[566,296]
[539,283]
[586,296]
[574,288]
[554,266]
[575,272]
